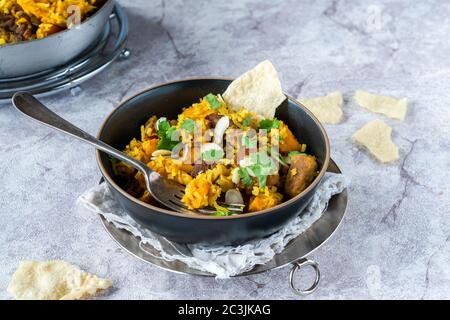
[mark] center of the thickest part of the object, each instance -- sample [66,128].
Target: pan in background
[34,56]
[111,46]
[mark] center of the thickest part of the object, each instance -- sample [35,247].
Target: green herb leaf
[261,160]
[275,154]
[294,153]
[267,124]
[262,181]
[114,162]
[112,159]
[262,166]
[245,177]
[213,155]
[166,142]
[163,125]
[222,213]
[188,125]
[249,142]
[213,102]
[261,174]
[247,121]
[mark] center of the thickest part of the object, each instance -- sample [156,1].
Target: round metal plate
[109,47]
[306,243]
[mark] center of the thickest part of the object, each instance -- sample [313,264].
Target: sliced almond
[164,153]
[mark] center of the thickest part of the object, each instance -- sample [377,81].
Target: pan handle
[299,265]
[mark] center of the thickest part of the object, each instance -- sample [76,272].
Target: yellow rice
[204,189]
[36,19]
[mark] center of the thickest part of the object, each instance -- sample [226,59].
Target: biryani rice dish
[231,161]
[22,20]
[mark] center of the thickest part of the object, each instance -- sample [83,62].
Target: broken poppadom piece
[54,280]
[390,107]
[258,90]
[376,137]
[327,109]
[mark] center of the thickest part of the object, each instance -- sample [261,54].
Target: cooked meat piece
[301,173]
[17,27]
[6,21]
[273,180]
[213,119]
[199,168]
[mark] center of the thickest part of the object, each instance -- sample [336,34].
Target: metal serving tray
[294,254]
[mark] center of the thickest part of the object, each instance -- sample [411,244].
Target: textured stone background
[394,242]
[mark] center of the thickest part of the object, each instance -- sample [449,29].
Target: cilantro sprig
[294,153]
[222,213]
[212,100]
[162,124]
[188,125]
[267,124]
[114,162]
[247,121]
[245,177]
[166,133]
[277,156]
[213,155]
[261,166]
[249,142]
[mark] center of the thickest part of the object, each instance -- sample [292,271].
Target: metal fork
[167,192]
[170,194]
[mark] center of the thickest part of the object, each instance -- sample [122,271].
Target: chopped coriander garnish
[267,124]
[165,134]
[245,177]
[162,124]
[247,121]
[213,155]
[114,162]
[278,157]
[112,159]
[222,213]
[213,102]
[261,167]
[262,181]
[249,142]
[260,174]
[262,160]
[188,125]
[294,153]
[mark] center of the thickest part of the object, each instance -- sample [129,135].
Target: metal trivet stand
[109,47]
[294,254]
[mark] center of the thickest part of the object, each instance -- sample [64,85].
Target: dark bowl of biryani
[136,125]
[40,35]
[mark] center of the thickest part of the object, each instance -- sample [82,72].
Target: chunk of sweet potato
[288,142]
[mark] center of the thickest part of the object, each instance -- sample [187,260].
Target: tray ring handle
[299,265]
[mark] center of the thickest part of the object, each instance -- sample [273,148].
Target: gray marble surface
[394,242]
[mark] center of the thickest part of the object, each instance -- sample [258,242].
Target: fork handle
[33,108]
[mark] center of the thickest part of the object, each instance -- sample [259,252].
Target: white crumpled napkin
[223,261]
